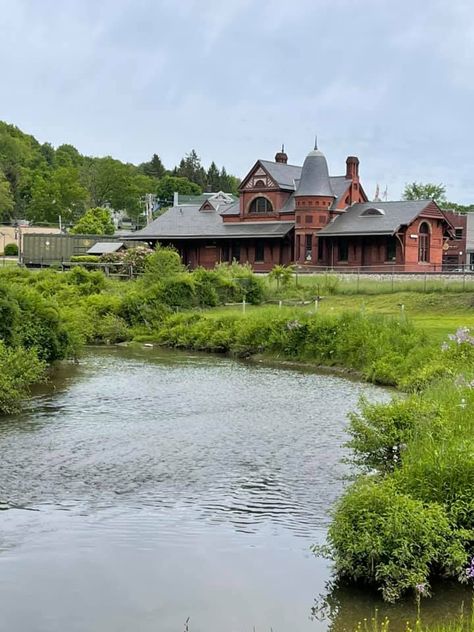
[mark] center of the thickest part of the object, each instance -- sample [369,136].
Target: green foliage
[86,282]
[97,221]
[40,183]
[168,185]
[428,191]
[11,250]
[391,541]
[6,198]
[19,368]
[85,259]
[282,275]
[252,288]
[380,432]
[164,263]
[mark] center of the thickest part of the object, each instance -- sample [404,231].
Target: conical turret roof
[315,176]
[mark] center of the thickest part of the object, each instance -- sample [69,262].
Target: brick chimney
[352,168]
[280,156]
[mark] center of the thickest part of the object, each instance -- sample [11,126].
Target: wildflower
[462,336]
[421,589]
[470,570]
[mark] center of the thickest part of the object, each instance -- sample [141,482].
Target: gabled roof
[393,215]
[188,222]
[283,174]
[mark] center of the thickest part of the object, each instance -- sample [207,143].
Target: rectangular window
[259,250]
[343,248]
[308,219]
[458,233]
[391,249]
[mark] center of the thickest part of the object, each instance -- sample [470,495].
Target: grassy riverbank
[409,517]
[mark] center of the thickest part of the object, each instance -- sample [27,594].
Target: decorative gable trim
[258,178]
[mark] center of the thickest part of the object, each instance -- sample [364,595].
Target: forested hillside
[40,183]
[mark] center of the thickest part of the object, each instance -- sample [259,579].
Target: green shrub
[88,282]
[380,432]
[163,264]
[85,259]
[19,369]
[391,541]
[11,250]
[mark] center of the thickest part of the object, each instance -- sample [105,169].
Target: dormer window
[260,205]
[371,212]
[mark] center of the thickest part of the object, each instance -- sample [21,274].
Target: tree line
[40,183]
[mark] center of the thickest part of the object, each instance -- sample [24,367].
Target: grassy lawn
[438,313]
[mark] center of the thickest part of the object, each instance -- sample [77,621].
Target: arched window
[259,184]
[424,243]
[260,205]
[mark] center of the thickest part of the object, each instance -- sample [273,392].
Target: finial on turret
[315,142]
[283,148]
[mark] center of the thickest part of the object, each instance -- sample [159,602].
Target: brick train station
[302,215]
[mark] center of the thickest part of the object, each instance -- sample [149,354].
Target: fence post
[424,283]
[464,280]
[358,279]
[243,305]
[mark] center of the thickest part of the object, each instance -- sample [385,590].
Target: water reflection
[342,607]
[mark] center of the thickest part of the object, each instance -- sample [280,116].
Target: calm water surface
[149,486]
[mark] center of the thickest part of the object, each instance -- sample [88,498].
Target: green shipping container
[55,248]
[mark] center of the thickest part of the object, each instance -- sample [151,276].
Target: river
[148,486]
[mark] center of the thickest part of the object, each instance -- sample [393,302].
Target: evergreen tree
[213,180]
[153,168]
[190,167]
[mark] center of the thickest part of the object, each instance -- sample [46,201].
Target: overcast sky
[390,82]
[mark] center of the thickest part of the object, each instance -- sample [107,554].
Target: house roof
[283,174]
[387,221]
[105,247]
[188,222]
[314,178]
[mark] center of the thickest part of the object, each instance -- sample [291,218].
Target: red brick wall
[455,254]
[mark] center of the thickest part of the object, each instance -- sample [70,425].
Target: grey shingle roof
[283,174]
[188,222]
[105,247]
[231,209]
[339,185]
[314,178]
[393,216]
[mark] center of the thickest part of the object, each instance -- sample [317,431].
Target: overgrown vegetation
[410,516]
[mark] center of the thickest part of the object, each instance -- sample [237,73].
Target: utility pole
[149,202]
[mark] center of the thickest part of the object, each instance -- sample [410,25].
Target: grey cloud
[388,81]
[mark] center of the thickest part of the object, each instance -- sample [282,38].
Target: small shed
[106,247]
